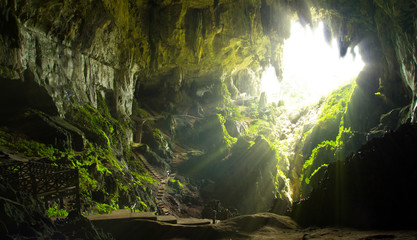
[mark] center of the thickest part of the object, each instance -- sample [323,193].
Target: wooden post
[77,189]
[32,179]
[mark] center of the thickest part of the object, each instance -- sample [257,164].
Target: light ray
[312,68]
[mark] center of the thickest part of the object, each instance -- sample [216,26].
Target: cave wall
[75,49]
[385,31]
[72,50]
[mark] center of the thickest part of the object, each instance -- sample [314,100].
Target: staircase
[178,157]
[161,179]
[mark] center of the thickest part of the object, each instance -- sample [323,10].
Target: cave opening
[316,79]
[312,67]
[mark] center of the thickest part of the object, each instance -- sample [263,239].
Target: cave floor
[256,226]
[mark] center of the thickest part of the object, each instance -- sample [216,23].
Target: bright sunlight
[312,68]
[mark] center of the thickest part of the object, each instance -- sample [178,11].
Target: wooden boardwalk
[126,214]
[161,179]
[45,181]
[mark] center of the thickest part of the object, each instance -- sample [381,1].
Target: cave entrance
[312,68]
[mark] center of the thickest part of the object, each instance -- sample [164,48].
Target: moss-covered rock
[370,189]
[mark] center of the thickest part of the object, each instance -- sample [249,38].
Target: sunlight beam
[312,68]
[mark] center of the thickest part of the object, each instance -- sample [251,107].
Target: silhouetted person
[214,216]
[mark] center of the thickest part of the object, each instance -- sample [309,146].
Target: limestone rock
[369,189]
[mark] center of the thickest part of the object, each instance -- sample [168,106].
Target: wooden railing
[46,181]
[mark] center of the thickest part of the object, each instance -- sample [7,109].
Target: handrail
[42,179]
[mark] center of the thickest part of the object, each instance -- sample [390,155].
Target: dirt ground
[257,226]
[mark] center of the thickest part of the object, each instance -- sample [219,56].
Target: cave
[216,119]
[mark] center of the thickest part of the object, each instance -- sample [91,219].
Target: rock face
[369,189]
[76,49]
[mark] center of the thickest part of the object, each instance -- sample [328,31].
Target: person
[214,216]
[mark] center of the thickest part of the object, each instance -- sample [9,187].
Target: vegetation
[326,138]
[55,211]
[105,164]
[228,140]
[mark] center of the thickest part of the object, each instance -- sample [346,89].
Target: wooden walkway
[179,156]
[161,179]
[127,214]
[46,181]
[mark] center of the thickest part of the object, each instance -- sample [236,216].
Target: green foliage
[252,112]
[142,203]
[323,154]
[104,208]
[176,182]
[54,211]
[27,147]
[143,177]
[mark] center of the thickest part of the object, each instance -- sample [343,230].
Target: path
[179,155]
[161,179]
[127,214]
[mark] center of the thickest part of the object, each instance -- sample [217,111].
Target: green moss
[90,121]
[336,103]
[7,72]
[157,135]
[176,182]
[27,147]
[260,127]
[318,169]
[327,137]
[93,163]
[143,177]
[225,94]
[138,111]
[327,145]
[229,140]
[330,119]
[100,127]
